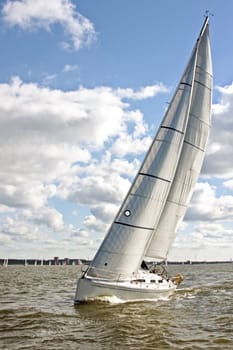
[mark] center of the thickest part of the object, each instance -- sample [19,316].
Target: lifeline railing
[108,275]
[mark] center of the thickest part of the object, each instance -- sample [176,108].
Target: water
[37,313]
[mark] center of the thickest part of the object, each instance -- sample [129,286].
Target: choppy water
[37,313]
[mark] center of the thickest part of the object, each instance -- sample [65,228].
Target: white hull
[89,289]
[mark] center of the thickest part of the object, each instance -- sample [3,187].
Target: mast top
[208,14]
[206,22]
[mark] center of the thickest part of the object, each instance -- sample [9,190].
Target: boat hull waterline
[89,289]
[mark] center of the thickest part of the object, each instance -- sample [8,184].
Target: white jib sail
[123,248]
[192,154]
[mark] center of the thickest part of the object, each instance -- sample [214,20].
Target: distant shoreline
[42,262]
[67,261]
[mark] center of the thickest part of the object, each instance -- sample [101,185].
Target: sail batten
[150,215]
[191,144]
[154,176]
[170,128]
[134,226]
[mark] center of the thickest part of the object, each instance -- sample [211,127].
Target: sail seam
[135,226]
[198,82]
[191,144]
[155,177]
[205,71]
[178,203]
[201,121]
[170,128]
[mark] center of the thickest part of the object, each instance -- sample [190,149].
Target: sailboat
[150,215]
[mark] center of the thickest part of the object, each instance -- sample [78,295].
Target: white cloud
[69,68]
[105,212]
[52,145]
[206,241]
[18,229]
[218,161]
[31,14]
[41,233]
[94,189]
[228,184]
[45,216]
[127,144]
[84,116]
[21,194]
[48,79]
[92,223]
[6,209]
[145,92]
[206,205]
[72,145]
[207,231]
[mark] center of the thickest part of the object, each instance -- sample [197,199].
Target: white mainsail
[155,204]
[192,154]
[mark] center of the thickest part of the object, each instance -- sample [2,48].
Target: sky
[83,88]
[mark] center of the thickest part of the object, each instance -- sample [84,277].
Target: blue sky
[83,87]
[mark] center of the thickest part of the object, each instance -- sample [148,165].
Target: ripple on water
[37,313]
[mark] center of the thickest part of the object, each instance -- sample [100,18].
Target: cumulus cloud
[228,184]
[218,161]
[94,189]
[35,230]
[31,15]
[94,224]
[81,146]
[45,216]
[207,225]
[206,241]
[18,230]
[53,145]
[206,205]
[144,92]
